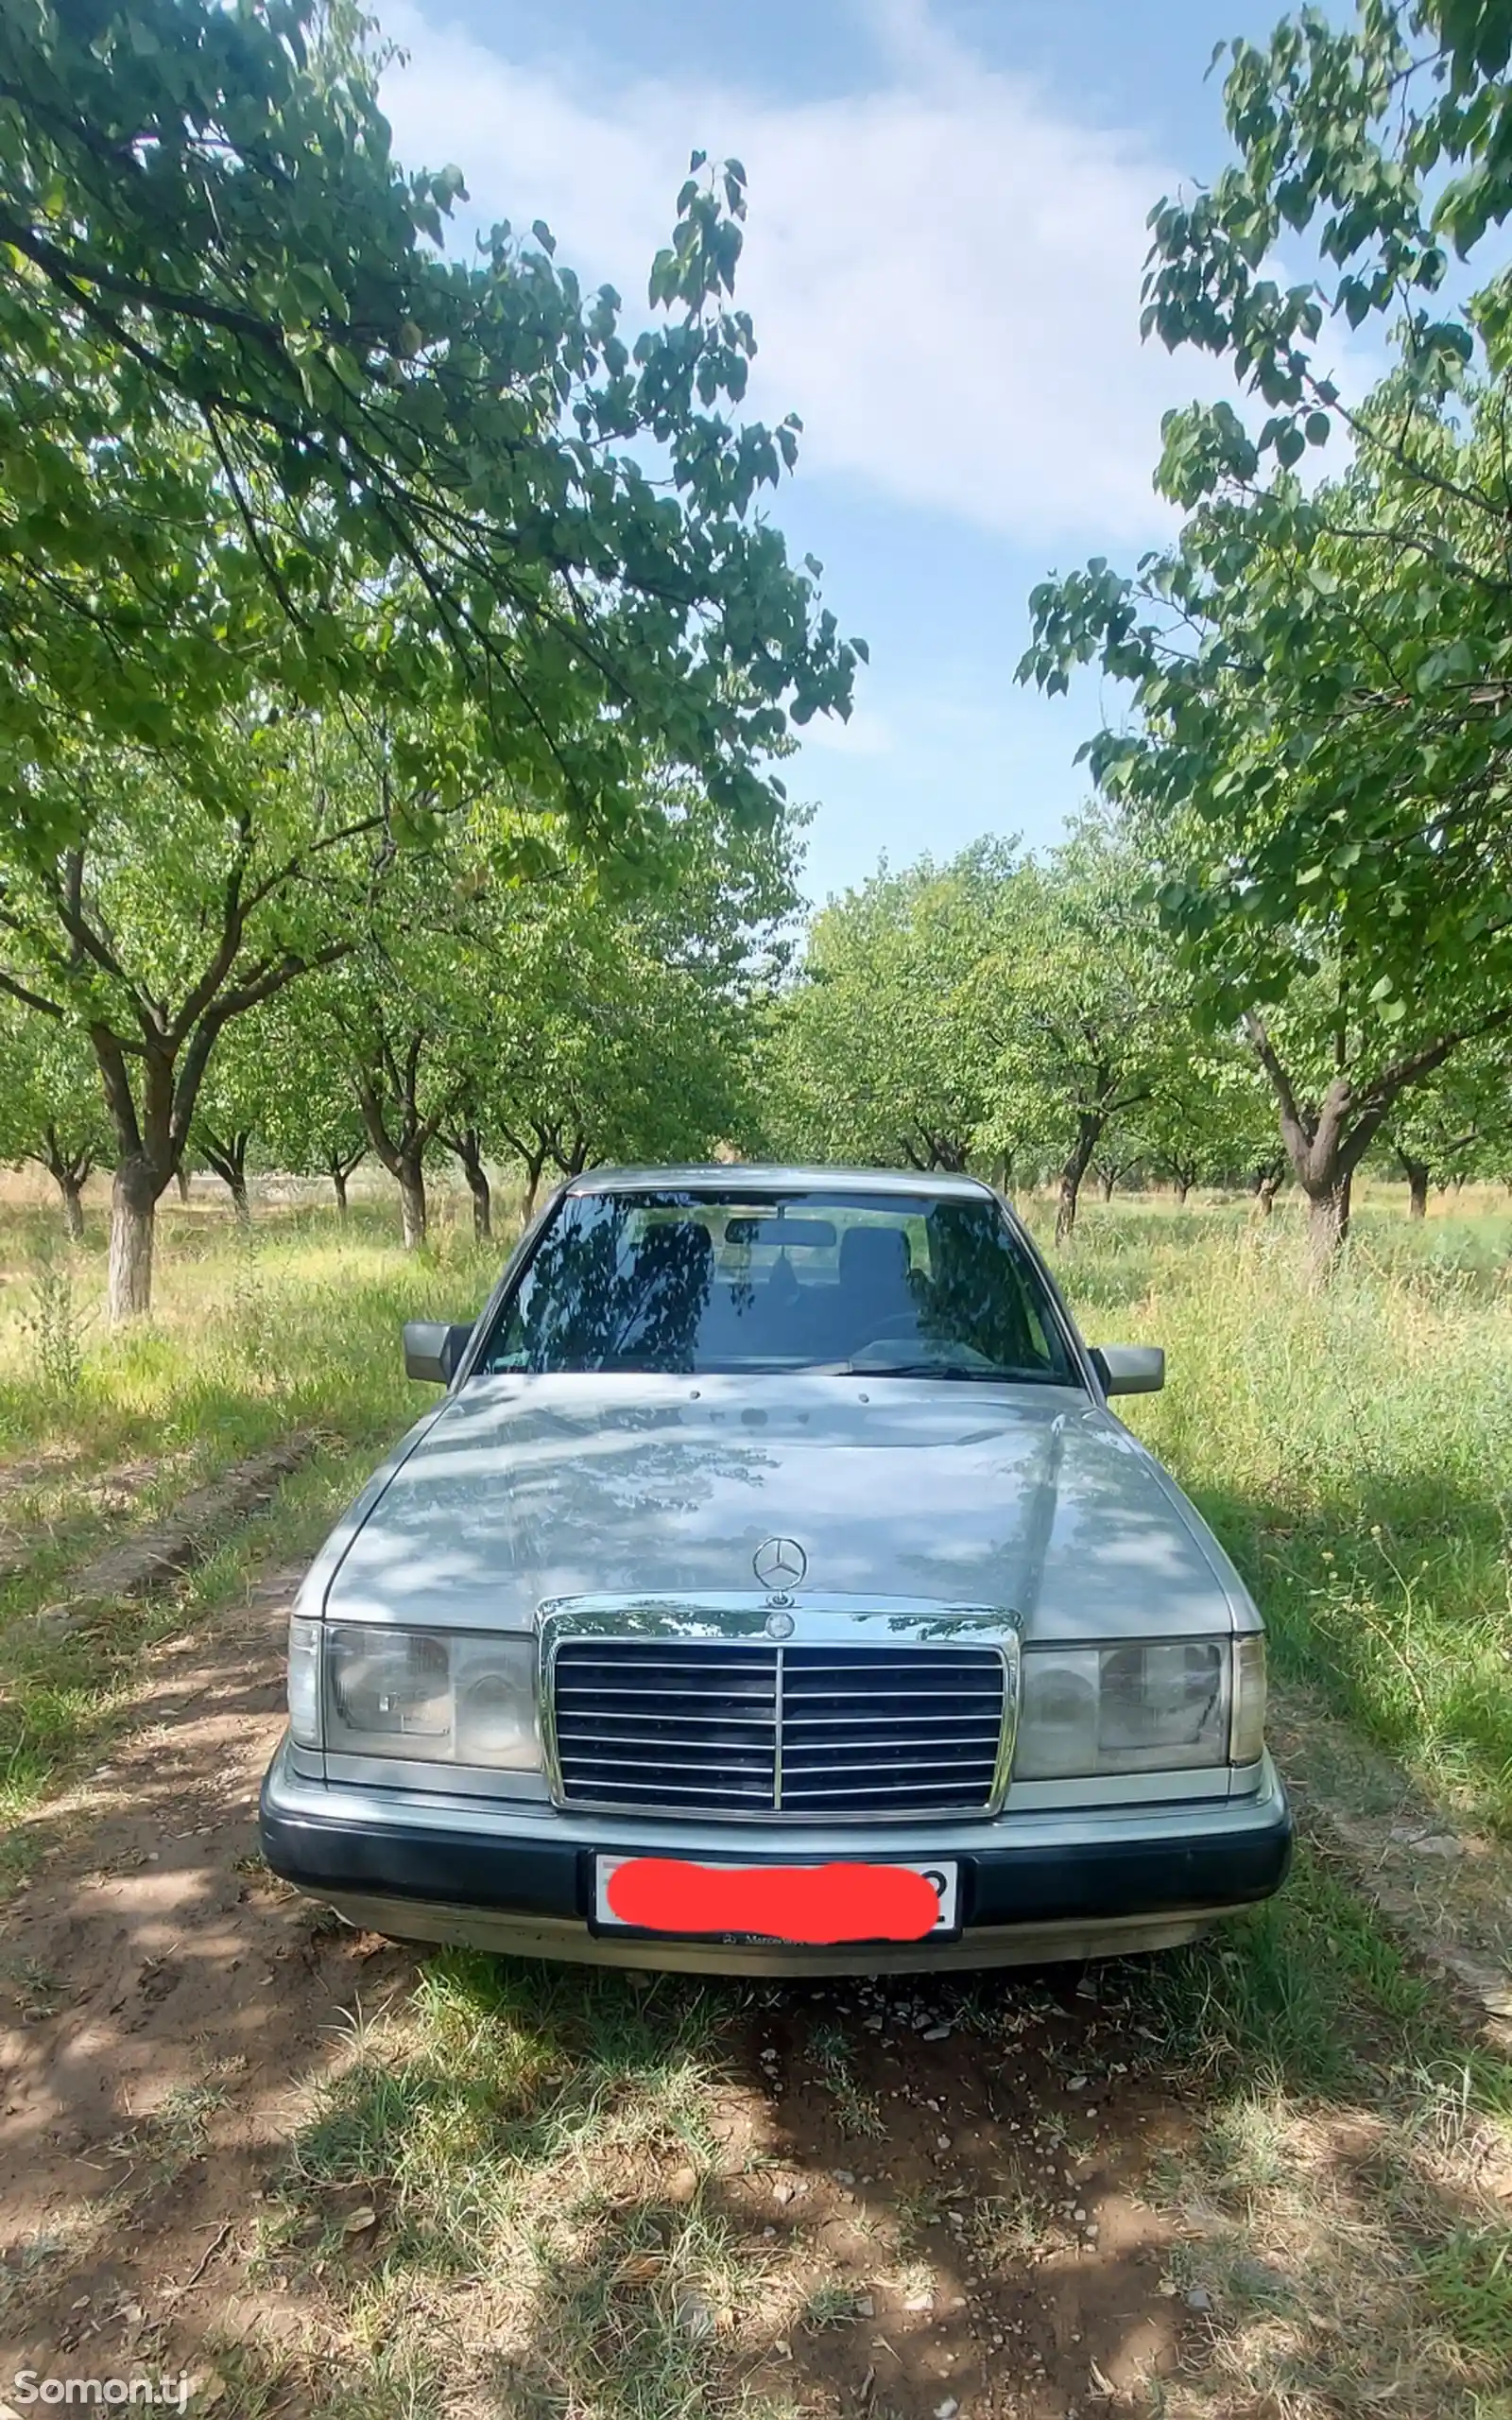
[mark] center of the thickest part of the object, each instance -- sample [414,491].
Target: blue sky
[947,207]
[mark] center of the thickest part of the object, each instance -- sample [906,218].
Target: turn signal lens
[304,1682]
[1248,1736]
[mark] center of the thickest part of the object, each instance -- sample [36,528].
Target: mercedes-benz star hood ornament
[779,1564]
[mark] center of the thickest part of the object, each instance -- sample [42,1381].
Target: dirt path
[158,2003]
[165,2010]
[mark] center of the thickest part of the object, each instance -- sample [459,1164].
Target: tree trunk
[1418,1173]
[1066,1202]
[1108,1183]
[70,1172]
[411,1173]
[467,1146]
[133,1213]
[400,1144]
[339,1167]
[477,1184]
[1328,1224]
[535,1165]
[1089,1132]
[180,1178]
[228,1160]
[1266,1191]
[1183,1186]
[72,1189]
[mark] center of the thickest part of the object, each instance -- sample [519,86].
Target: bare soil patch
[143,1562]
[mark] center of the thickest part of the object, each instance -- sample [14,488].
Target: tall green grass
[1352,1447]
[297,1327]
[249,1335]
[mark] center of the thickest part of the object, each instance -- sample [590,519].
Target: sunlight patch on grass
[1341,2194]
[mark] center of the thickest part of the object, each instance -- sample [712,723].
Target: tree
[50,1107]
[267,450]
[1311,858]
[1206,1119]
[307,1110]
[467,1146]
[1445,1130]
[229,1110]
[242,391]
[168,915]
[1323,672]
[876,1055]
[1075,1005]
[1117,1157]
[610,1024]
[390,1012]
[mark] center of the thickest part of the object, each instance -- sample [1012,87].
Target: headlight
[1132,1709]
[439,1697]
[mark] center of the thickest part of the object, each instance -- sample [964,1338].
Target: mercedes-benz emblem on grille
[779,1625]
[779,1564]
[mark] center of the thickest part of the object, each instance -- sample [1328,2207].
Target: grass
[532,2145]
[294,1328]
[533,2169]
[1344,2199]
[1352,1448]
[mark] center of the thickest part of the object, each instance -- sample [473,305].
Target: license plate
[811,1902]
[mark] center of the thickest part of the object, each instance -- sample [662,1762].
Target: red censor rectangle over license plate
[809,1903]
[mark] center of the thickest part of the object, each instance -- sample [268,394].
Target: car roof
[750,1176]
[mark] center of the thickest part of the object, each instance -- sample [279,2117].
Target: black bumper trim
[999,1886]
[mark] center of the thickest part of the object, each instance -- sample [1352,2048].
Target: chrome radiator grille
[739,1728]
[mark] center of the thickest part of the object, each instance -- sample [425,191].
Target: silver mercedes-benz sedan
[772,1589]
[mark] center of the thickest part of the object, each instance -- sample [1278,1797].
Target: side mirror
[432,1348]
[1129,1369]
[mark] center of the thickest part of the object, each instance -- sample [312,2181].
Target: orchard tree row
[1312,756]
[491,1001]
[1291,937]
[1030,1018]
[393,654]
[395,657]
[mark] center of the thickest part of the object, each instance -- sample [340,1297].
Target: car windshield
[867,1283]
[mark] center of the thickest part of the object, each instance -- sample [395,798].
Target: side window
[1038,1336]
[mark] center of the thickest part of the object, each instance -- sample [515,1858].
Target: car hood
[1031,1498]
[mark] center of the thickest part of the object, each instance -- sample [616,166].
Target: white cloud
[943,271]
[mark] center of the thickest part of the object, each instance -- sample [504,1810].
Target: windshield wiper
[938,1369]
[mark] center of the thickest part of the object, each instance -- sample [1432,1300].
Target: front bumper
[517,1877]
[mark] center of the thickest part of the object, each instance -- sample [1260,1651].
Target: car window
[868,1284]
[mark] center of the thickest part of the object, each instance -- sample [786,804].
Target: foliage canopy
[243,391]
